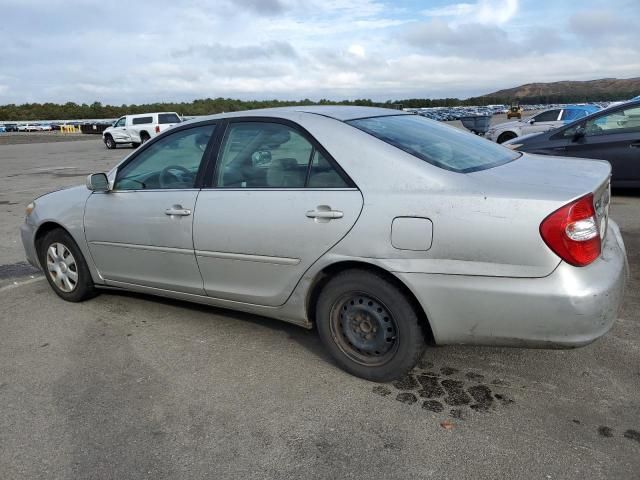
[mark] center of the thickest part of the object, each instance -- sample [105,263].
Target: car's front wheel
[109,142]
[65,267]
[369,326]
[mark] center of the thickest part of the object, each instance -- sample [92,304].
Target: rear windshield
[168,118]
[440,145]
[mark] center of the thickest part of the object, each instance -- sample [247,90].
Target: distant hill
[590,90]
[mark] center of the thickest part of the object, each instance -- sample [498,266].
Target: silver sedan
[386,230]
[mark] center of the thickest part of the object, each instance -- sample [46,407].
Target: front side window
[440,145]
[620,121]
[271,155]
[120,122]
[169,163]
[548,116]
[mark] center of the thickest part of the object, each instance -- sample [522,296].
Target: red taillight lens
[572,232]
[157,128]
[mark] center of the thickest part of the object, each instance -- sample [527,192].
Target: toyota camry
[385,230]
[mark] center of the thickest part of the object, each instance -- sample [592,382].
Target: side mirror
[578,134]
[532,121]
[98,182]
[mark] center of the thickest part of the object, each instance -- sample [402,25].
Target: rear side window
[272,155]
[573,114]
[141,120]
[549,116]
[168,118]
[440,145]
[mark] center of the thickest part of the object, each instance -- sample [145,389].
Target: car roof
[338,112]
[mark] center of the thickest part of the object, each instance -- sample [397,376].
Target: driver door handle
[635,144]
[177,210]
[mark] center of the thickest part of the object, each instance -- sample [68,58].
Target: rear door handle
[635,144]
[324,212]
[177,210]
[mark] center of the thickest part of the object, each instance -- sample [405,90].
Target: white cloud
[357,50]
[293,49]
[486,12]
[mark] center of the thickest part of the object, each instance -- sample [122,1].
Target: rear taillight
[572,232]
[157,128]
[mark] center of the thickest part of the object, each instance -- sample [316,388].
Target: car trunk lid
[557,180]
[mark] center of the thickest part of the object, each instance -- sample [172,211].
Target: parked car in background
[385,229]
[11,127]
[612,134]
[138,129]
[542,122]
[2,129]
[44,127]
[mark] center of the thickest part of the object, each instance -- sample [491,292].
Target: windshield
[440,145]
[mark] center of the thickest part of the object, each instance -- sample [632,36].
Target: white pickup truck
[137,129]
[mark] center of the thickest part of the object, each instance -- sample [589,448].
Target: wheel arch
[45,228]
[328,272]
[510,133]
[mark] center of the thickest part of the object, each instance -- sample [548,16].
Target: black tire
[358,306]
[83,287]
[144,137]
[109,142]
[135,144]
[506,136]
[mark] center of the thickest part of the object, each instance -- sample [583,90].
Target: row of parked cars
[25,127]
[50,126]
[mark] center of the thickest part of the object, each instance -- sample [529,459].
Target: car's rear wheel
[65,267]
[506,136]
[369,326]
[144,137]
[135,144]
[109,142]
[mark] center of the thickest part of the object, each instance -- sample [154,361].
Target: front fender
[64,208]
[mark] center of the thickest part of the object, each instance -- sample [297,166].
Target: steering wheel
[168,178]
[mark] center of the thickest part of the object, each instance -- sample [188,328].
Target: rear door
[277,203]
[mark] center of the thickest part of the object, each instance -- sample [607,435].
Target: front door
[613,136]
[278,202]
[119,131]
[141,231]
[543,122]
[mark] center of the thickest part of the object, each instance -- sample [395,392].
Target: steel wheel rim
[364,329]
[62,267]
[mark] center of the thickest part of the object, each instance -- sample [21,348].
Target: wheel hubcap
[62,267]
[364,329]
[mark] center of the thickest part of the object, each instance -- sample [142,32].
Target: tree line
[208,106]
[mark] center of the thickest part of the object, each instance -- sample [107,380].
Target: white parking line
[19,284]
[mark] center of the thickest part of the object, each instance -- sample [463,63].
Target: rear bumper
[569,308]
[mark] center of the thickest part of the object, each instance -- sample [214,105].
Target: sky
[122,52]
